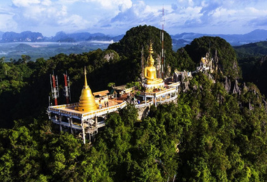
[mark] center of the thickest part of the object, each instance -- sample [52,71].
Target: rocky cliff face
[143,112]
[265,104]
[236,89]
[227,84]
[221,51]
[109,56]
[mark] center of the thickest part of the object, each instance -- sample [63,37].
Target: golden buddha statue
[203,60]
[87,100]
[150,70]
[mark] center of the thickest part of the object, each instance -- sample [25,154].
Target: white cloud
[122,4]
[74,22]
[6,23]
[113,15]
[30,14]
[24,3]
[46,2]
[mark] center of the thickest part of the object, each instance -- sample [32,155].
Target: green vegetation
[252,60]
[257,49]
[46,49]
[208,135]
[226,54]
[200,139]
[184,61]
[130,46]
[25,86]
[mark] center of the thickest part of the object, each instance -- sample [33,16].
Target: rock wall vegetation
[252,59]
[209,135]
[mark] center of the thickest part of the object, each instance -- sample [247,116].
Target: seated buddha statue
[203,61]
[150,70]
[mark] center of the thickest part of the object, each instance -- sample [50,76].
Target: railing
[91,130]
[174,85]
[167,100]
[67,124]
[64,106]
[101,124]
[144,104]
[152,94]
[169,90]
[58,109]
[105,110]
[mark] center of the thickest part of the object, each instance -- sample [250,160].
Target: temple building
[87,116]
[156,89]
[206,64]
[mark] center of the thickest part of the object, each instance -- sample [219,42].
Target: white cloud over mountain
[117,16]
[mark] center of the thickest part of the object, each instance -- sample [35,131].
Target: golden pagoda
[87,100]
[150,70]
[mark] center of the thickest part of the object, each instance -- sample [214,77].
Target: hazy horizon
[130,28]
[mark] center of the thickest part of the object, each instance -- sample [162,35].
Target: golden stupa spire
[87,100]
[85,79]
[150,48]
[150,58]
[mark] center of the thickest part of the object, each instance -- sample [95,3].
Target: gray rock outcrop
[109,56]
[236,89]
[227,84]
[245,88]
[250,107]
[265,104]
[185,86]
[143,112]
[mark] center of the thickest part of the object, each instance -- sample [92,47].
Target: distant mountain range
[1,33]
[179,40]
[29,36]
[26,36]
[233,39]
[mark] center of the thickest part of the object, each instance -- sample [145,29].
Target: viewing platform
[68,110]
[81,122]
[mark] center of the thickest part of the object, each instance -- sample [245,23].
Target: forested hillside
[250,50]
[24,82]
[130,46]
[225,53]
[25,86]
[252,59]
[207,135]
[203,138]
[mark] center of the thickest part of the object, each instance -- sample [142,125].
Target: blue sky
[115,17]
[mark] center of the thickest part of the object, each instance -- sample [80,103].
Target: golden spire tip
[85,79]
[85,70]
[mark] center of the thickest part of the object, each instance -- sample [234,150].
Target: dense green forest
[225,53]
[253,49]
[252,59]
[203,138]
[207,135]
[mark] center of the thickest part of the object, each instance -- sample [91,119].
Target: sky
[114,17]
